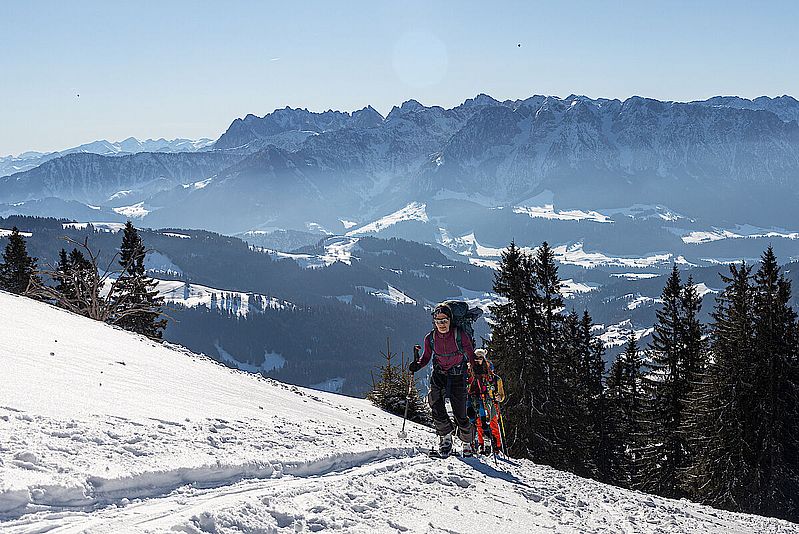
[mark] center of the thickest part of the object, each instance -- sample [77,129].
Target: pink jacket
[446,344]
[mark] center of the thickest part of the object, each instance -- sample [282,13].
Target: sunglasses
[440,321]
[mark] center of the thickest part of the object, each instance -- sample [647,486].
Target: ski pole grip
[416,349]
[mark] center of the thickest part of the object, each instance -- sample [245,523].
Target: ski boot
[468,450]
[444,447]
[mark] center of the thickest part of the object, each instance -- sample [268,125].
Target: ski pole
[402,434]
[503,434]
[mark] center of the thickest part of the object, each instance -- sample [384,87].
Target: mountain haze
[636,178]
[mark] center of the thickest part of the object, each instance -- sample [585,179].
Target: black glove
[414,366]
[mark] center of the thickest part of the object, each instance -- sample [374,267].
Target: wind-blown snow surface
[105,431]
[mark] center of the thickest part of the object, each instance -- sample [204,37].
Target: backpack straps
[458,341]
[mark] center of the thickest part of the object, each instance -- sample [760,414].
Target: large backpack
[463,318]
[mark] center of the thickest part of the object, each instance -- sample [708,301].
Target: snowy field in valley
[105,431]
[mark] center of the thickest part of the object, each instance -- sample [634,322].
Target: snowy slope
[193,295]
[105,431]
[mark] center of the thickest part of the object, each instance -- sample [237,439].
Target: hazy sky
[187,69]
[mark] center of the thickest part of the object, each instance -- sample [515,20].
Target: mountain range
[706,181]
[31,159]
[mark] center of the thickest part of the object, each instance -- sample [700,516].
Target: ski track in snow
[105,431]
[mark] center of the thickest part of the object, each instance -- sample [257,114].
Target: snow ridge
[96,491]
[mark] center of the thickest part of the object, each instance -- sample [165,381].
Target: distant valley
[313,215]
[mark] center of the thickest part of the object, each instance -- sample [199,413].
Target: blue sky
[187,69]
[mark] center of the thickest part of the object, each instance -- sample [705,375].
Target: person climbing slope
[485,391]
[451,349]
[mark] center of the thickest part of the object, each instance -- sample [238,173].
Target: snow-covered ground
[5,233]
[567,254]
[616,335]
[635,276]
[336,249]
[739,232]
[548,212]
[100,226]
[569,287]
[105,431]
[390,295]
[134,211]
[415,211]
[193,295]
[467,245]
[574,254]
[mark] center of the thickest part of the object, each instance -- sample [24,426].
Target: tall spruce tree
[624,394]
[549,304]
[776,408]
[514,348]
[676,354]
[17,270]
[724,401]
[578,424]
[605,442]
[569,406]
[694,363]
[134,292]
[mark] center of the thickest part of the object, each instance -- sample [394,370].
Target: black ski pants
[453,386]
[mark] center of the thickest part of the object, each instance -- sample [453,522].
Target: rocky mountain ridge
[28,160]
[725,162]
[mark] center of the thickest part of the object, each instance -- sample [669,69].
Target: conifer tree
[580,428]
[606,443]
[390,392]
[776,408]
[568,409]
[514,346]
[676,354]
[18,270]
[136,292]
[723,471]
[624,403]
[549,303]
[61,275]
[693,362]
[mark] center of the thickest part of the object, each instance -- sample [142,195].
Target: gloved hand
[414,366]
